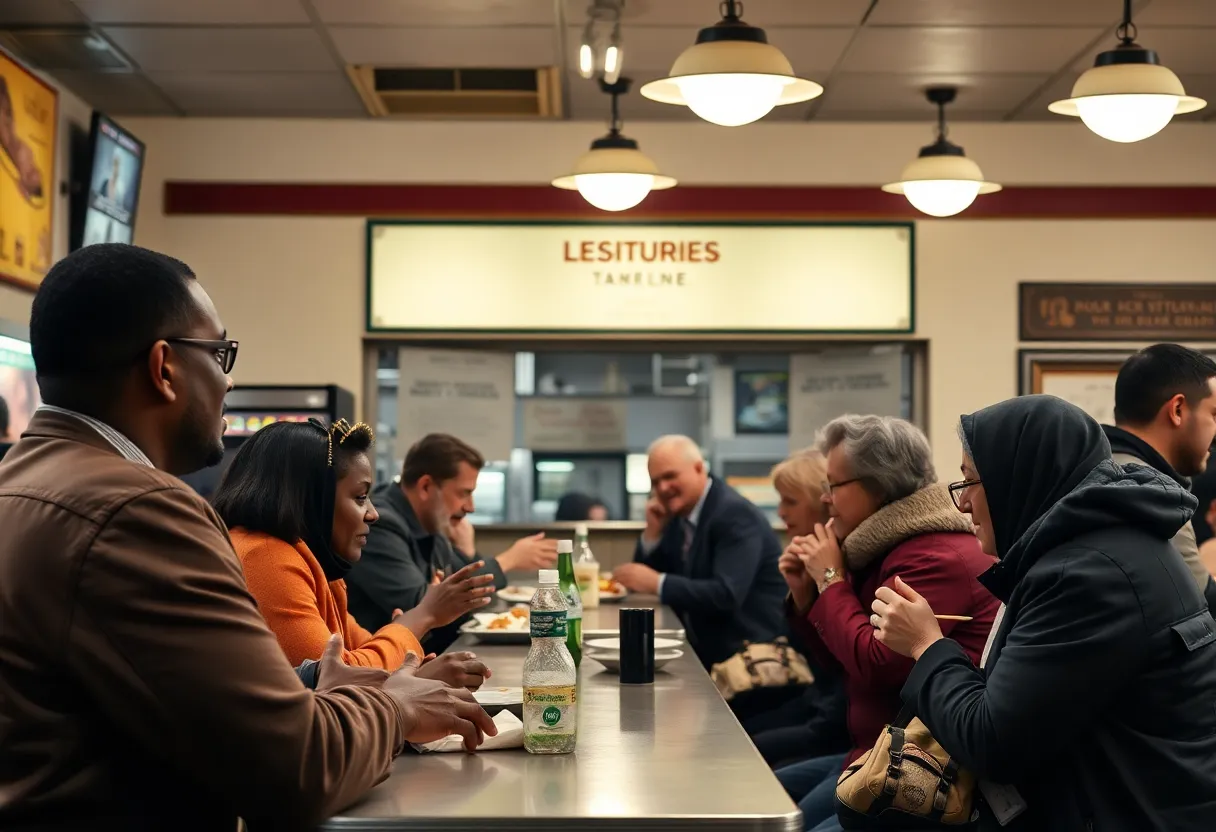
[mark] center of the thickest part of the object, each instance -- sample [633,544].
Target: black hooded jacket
[1098,699]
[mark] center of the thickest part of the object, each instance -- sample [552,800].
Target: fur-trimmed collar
[926,511]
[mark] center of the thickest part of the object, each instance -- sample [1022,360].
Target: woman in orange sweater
[296,501]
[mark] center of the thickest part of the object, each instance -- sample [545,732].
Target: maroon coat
[923,543]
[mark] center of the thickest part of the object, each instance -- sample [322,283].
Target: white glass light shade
[614,178]
[941,186]
[1127,102]
[731,83]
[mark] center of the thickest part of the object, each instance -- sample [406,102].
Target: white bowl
[613,645]
[612,661]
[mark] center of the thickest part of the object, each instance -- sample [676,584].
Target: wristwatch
[830,576]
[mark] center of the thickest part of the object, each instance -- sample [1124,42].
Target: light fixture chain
[1127,31]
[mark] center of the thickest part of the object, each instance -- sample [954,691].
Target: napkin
[510,735]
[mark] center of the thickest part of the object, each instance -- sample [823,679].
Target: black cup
[637,646]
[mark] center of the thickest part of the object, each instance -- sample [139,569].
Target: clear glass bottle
[574,601]
[550,679]
[586,569]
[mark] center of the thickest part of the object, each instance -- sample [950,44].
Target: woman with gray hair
[890,522]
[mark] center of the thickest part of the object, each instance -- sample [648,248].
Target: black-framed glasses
[830,487]
[957,489]
[225,350]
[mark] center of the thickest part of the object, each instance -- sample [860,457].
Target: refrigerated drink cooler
[249,409]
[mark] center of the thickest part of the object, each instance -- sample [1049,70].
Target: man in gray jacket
[1165,418]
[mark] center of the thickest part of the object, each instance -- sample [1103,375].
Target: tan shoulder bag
[906,781]
[761,666]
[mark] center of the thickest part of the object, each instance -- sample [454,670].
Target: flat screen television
[112,193]
[19,396]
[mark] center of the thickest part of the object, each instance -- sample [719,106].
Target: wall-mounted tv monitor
[762,402]
[112,195]
[19,396]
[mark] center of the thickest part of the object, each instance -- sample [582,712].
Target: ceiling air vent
[76,49]
[458,93]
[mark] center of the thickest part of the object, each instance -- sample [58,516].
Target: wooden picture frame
[1085,378]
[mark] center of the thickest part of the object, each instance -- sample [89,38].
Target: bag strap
[904,716]
[949,775]
[896,755]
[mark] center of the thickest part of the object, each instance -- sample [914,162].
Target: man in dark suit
[708,553]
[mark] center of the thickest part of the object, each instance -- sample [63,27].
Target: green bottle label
[548,624]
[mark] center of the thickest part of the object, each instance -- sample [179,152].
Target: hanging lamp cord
[1127,30]
[941,121]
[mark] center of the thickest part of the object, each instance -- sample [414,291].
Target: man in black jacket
[709,554]
[420,555]
[1165,418]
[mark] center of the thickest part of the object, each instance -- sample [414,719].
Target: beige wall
[14,302]
[292,289]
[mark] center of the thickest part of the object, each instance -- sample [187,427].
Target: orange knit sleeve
[387,648]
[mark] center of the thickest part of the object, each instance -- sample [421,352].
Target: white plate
[612,661]
[499,696]
[521,595]
[478,627]
[613,597]
[613,645]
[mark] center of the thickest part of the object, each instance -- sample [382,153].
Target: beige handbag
[761,666]
[906,781]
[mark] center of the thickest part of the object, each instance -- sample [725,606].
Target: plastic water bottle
[574,600]
[550,679]
[586,569]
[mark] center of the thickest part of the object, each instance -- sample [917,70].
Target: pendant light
[941,181]
[1128,95]
[614,175]
[732,75]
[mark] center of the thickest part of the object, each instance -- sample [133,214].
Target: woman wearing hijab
[1096,705]
[889,517]
[295,499]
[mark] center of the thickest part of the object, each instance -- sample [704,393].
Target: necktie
[689,531]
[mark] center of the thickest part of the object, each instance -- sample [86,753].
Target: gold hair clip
[346,429]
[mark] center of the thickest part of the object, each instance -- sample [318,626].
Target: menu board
[467,393]
[28,116]
[570,425]
[826,385]
[247,423]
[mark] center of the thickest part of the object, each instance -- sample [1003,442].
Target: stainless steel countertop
[667,756]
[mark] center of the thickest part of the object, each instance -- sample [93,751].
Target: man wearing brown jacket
[139,686]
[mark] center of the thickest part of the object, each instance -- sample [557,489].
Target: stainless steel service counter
[667,756]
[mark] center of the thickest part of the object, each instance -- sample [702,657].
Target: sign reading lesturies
[725,278]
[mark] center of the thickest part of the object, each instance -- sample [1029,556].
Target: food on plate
[611,587]
[515,618]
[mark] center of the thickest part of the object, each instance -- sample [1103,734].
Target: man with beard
[139,686]
[1165,418]
[421,556]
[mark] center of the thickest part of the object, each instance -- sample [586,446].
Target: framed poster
[28,119]
[1085,378]
[762,402]
[1117,311]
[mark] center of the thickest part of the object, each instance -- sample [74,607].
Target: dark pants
[809,725]
[812,785]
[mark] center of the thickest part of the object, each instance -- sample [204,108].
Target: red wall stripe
[690,202]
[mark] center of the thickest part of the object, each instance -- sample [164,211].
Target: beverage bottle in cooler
[586,569]
[550,679]
[574,602]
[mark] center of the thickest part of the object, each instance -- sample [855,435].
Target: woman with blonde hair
[813,723]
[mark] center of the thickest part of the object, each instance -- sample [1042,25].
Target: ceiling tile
[222,50]
[447,47]
[1046,13]
[39,13]
[437,12]
[119,94]
[207,12]
[902,96]
[649,51]
[1183,49]
[1203,85]
[261,93]
[697,14]
[949,49]
[1178,13]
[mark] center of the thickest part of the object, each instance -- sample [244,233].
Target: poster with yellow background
[28,118]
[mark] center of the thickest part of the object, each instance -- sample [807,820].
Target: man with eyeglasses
[139,686]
